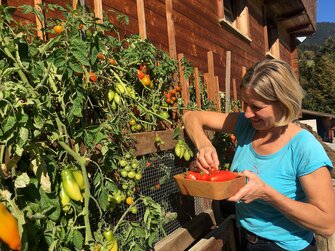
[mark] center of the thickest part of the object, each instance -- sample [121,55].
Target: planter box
[207,189]
[145,141]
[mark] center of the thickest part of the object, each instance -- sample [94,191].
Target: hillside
[323,31]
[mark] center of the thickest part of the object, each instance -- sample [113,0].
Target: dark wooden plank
[183,237]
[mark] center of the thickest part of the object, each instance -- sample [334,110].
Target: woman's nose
[248,113]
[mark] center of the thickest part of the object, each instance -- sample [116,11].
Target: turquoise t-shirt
[280,170]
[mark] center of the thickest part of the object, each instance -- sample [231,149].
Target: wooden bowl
[209,189]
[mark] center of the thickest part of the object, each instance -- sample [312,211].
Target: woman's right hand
[207,158]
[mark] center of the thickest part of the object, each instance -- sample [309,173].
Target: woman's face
[262,113]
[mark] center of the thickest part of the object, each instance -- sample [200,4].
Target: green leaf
[94,55]
[81,57]
[75,66]
[24,135]
[22,180]
[78,239]
[103,199]
[9,123]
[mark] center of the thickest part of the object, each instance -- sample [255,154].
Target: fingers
[207,158]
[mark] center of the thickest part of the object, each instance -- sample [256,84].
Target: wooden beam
[141,19]
[98,10]
[170,29]
[289,16]
[228,72]
[197,87]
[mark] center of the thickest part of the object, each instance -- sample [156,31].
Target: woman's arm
[196,122]
[317,214]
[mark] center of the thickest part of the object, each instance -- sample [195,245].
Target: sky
[325,11]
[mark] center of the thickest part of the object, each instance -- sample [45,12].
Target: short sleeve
[310,154]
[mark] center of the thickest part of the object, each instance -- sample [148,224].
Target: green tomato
[128,156]
[138,176]
[131,174]
[124,173]
[108,234]
[133,210]
[128,168]
[134,165]
[138,127]
[118,198]
[123,162]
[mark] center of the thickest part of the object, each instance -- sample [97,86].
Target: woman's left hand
[254,189]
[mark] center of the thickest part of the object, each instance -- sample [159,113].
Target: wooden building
[221,37]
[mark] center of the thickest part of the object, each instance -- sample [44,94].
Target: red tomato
[222,175]
[140,74]
[204,176]
[100,56]
[190,175]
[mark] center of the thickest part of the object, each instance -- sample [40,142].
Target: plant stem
[87,194]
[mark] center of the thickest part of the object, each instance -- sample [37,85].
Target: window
[234,14]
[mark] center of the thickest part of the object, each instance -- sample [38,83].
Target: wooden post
[197,87]
[244,70]
[211,77]
[228,71]
[185,94]
[170,29]
[141,19]
[208,86]
[39,24]
[74,4]
[236,109]
[217,94]
[98,10]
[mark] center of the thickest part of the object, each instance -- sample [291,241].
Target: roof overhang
[298,17]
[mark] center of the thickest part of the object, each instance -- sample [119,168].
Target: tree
[317,77]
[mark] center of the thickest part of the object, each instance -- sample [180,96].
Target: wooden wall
[197,31]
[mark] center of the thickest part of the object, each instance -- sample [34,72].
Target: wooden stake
[141,19]
[98,10]
[244,71]
[228,71]
[39,24]
[74,4]
[185,94]
[197,87]
[217,94]
[170,29]
[236,109]
[211,78]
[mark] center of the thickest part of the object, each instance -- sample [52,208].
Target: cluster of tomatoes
[144,77]
[213,176]
[172,95]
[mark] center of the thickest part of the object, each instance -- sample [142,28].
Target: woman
[289,193]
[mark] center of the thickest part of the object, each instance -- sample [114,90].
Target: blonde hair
[274,80]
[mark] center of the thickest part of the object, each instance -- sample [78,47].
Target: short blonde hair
[274,80]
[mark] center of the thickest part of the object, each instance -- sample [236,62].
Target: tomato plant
[65,123]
